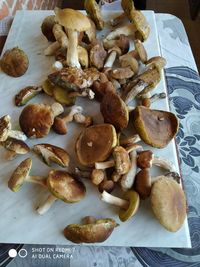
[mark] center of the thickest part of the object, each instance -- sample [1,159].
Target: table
[184,93]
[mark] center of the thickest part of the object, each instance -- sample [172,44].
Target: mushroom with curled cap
[14,147]
[5,130]
[90,231]
[114,110]
[95,144]
[62,186]
[155,127]
[121,161]
[27,94]
[74,22]
[52,153]
[75,114]
[142,84]
[36,119]
[129,204]
[168,203]
[94,12]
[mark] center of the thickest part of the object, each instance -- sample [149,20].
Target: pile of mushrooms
[108,71]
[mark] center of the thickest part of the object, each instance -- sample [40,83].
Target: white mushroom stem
[128,179]
[70,116]
[104,165]
[138,88]
[43,208]
[164,163]
[37,180]
[60,35]
[127,30]
[72,51]
[52,48]
[57,109]
[118,19]
[17,135]
[111,59]
[108,198]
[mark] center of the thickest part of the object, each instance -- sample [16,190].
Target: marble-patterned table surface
[183,86]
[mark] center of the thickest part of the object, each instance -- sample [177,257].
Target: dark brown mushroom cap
[63,186]
[142,184]
[52,153]
[97,56]
[114,110]
[155,127]
[59,126]
[47,26]
[168,202]
[95,144]
[16,145]
[144,159]
[95,232]
[5,126]
[19,175]
[36,120]
[14,62]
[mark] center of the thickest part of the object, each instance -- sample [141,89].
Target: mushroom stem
[104,165]
[163,163]
[108,198]
[127,30]
[138,88]
[72,52]
[37,180]
[17,135]
[110,60]
[57,109]
[80,118]
[118,19]
[43,208]
[60,35]
[51,49]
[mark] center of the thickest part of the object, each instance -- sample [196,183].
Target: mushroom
[114,110]
[106,185]
[36,119]
[97,56]
[125,141]
[121,161]
[122,42]
[97,176]
[127,6]
[27,94]
[90,34]
[113,53]
[47,27]
[74,22]
[83,56]
[94,12]
[121,74]
[147,101]
[60,124]
[90,232]
[64,187]
[127,180]
[143,84]
[168,203]
[129,204]
[142,26]
[139,53]
[60,35]
[126,30]
[5,130]
[95,144]
[142,183]
[21,175]
[158,60]
[128,61]
[155,127]
[52,153]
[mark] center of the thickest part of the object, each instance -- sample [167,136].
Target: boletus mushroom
[155,127]
[27,94]
[36,119]
[94,12]
[95,143]
[94,231]
[168,203]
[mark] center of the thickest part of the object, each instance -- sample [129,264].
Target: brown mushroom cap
[47,26]
[122,160]
[95,232]
[122,42]
[19,175]
[5,126]
[114,110]
[144,159]
[36,120]
[72,19]
[141,24]
[168,202]
[142,183]
[63,186]
[95,144]
[140,50]
[121,73]
[155,127]
[97,56]
[15,145]
[159,61]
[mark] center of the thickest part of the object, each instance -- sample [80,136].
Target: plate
[19,221]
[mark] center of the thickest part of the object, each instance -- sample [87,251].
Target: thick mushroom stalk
[126,30]
[72,52]
[113,52]
[116,201]
[60,124]
[5,130]
[44,207]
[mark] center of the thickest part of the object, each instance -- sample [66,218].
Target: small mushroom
[128,61]
[113,53]
[5,130]
[36,119]
[158,60]
[142,183]
[94,12]
[114,110]
[129,204]
[27,94]
[140,52]
[74,22]
[147,101]
[106,185]
[47,27]
[97,56]
[21,175]
[168,203]
[155,127]
[52,153]
[126,30]
[121,161]
[14,147]
[122,42]
[97,176]
[90,232]
[60,124]
[64,187]
[95,144]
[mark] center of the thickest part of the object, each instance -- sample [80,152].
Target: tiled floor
[180,8]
